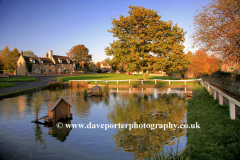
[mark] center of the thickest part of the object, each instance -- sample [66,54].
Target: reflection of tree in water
[81,106]
[39,135]
[143,109]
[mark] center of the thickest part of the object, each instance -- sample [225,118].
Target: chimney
[50,54]
[47,55]
[21,54]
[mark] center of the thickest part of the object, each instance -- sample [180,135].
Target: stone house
[51,64]
[106,67]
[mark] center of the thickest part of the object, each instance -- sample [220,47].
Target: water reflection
[39,138]
[141,105]
[145,109]
[59,133]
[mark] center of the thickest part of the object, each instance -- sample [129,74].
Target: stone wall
[223,83]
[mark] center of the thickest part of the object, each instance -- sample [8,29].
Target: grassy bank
[219,136]
[111,76]
[5,85]
[10,94]
[18,79]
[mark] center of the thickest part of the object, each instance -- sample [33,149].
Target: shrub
[105,90]
[99,71]
[76,84]
[55,85]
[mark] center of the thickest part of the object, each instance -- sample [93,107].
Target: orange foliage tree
[217,28]
[203,64]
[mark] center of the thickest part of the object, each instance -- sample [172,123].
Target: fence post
[169,82]
[117,82]
[232,110]
[106,81]
[215,94]
[129,81]
[95,81]
[220,98]
[185,82]
[142,82]
[155,81]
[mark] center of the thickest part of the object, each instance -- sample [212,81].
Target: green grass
[5,85]
[7,71]
[111,76]
[18,79]
[219,136]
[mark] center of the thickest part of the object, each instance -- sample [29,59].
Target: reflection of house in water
[96,98]
[60,134]
[22,105]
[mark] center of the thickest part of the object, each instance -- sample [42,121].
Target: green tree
[14,57]
[5,55]
[146,42]
[1,60]
[217,28]
[29,54]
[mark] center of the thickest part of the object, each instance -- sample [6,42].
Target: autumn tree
[107,60]
[29,54]
[217,28]
[204,64]
[145,42]
[79,54]
[98,64]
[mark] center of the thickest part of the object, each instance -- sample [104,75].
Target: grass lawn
[5,85]
[218,136]
[112,76]
[18,79]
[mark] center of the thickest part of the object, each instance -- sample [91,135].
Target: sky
[58,25]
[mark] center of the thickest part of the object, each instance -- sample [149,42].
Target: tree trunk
[144,75]
[36,117]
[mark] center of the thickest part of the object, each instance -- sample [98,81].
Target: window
[41,61]
[50,65]
[68,61]
[60,61]
[33,61]
[69,65]
[34,69]
[49,70]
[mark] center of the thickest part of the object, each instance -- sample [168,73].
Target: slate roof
[96,87]
[56,103]
[63,58]
[48,60]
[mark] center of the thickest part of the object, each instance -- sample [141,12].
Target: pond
[22,139]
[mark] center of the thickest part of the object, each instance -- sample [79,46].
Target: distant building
[106,67]
[44,65]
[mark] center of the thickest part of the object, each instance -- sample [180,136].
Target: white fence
[232,102]
[133,80]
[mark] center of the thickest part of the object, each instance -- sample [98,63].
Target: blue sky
[58,25]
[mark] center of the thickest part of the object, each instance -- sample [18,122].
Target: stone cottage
[51,64]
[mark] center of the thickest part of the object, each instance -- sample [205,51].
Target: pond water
[21,139]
